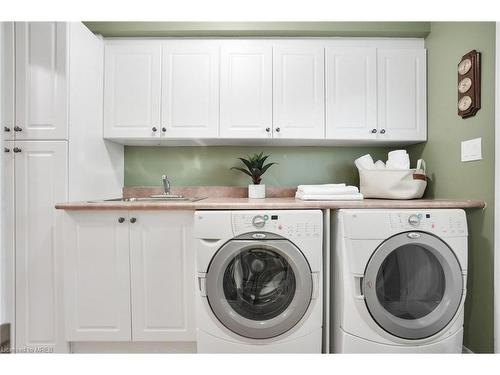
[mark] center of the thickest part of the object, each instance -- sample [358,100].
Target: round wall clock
[469,84]
[464,85]
[464,103]
[464,66]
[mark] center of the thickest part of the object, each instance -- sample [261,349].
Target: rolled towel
[329,190]
[365,162]
[379,164]
[398,159]
[329,197]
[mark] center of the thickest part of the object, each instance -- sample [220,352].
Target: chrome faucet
[166,184]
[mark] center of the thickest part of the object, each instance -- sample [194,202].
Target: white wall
[496,322]
[2,262]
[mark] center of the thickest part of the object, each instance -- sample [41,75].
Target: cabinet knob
[133,220]
[278,130]
[374,131]
[382,131]
[6,149]
[164,129]
[18,129]
[154,129]
[268,130]
[16,149]
[6,129]
[121,219]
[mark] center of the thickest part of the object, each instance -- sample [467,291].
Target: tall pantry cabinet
[53,151]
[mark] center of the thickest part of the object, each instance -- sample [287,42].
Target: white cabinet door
[41,82]
[299,79]
[132,89]
[97,276]
[40,182]
[246,90]
[351,93]
[7,79]
[190,89]
[7,253]
[402,94]
[162,276]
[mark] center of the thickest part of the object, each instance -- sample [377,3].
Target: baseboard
[133,347]
[466,350]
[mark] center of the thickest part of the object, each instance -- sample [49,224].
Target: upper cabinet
[190,89]
[41,85]
[7,88]
[132,90]
[246,90]
[351,93]
[402,94]
[298,96]
[243,91]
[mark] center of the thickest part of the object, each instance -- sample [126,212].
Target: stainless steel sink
[154,198]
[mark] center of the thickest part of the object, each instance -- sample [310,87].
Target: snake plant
[255,167]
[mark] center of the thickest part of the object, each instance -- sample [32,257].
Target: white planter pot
[256,191]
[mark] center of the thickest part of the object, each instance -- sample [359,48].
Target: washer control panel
[428,221]
[285,223]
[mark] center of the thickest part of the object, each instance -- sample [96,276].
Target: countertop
[231,203]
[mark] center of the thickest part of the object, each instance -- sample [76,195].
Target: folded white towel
[328,190]
[300,187]
[329,197]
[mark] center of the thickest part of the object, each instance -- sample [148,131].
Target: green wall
[187,166]
[450,178]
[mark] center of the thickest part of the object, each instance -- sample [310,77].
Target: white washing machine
[399,281]
[259,281]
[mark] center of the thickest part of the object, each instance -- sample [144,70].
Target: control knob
[258,221]
[414,220]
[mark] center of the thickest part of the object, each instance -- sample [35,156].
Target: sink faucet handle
[166,184]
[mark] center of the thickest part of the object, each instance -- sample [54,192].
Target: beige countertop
[231,203]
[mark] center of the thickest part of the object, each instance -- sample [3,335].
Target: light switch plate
[471,150]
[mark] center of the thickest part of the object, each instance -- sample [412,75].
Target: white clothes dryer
[399,281]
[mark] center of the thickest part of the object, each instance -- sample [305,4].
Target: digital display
[274,217]
[428,216]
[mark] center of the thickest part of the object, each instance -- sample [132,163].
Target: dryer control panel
[382,223]
[289,224]
[429,222]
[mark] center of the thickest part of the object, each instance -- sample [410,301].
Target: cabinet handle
[268,130]
[154,129]
[164,129]
[133,220]
[382,131]
[374,131]
[278,130]
[6,129]
[6,149]
[16,149]
[18,129]
[121,220]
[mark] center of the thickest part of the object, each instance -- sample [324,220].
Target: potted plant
[255,168]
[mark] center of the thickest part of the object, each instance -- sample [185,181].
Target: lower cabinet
[129,276]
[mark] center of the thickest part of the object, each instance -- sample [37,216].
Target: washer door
[259,289]
[413,285]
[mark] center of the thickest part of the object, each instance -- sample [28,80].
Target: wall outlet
[471,150]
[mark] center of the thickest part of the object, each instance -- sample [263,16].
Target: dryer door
[413,285]
[259,289]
